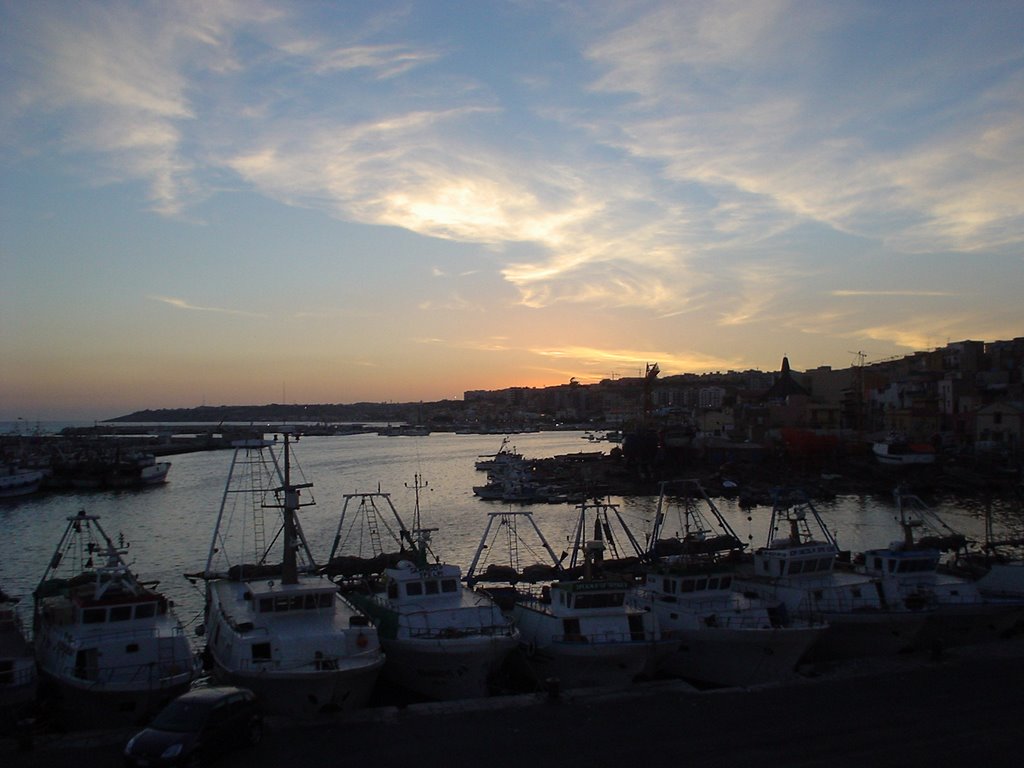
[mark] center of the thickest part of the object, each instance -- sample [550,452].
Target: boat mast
[289,563]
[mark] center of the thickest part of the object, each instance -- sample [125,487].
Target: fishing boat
[15,481]
[724,637]
[18,678]
[897,450]
[108,646]
[797,569]
[442,640]
[577,630]
[279,627]
[909,578]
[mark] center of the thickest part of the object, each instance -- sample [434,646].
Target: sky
[243,202]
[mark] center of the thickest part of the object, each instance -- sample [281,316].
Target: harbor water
[169,527]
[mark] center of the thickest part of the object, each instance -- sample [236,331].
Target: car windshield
[182,716]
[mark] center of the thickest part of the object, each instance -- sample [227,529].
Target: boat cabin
[274,597]
[406,581]
[897,561]
[669,587]
[585,595]
[813,557]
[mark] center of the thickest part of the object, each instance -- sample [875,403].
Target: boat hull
[739,657]
[305,694]
[969,624]
[79,705]
[589,665]
[860,634]
[447,669]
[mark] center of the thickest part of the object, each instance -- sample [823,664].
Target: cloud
[183,304]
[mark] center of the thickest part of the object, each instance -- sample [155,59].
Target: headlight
[172,751]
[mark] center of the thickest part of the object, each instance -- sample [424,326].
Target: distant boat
[896,450]
[109,646]
[280,628]
[441,639]
[19,482]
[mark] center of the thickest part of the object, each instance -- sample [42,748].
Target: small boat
[504,456]
[725,637]
[108,646]
[441,639]
[908,577]
[799,572]
[18,678]
[578,631]
[896,450]
[15,481]
[280,628]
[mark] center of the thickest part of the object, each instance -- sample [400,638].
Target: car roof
[213,693]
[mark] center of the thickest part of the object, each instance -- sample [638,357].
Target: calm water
[169,527]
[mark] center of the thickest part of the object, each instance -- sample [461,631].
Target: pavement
[965,707]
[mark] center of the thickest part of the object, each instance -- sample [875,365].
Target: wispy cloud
[184,304]
[892,293]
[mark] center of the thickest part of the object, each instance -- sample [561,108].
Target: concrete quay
[962,708]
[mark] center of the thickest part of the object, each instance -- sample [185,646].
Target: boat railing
[482,621]
[18,676]
[150,674]
[610,638]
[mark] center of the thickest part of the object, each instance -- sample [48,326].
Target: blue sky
[247,202]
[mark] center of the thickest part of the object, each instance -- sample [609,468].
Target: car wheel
[254,733]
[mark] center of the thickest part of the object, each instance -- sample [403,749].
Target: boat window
[261,652]
[726,582]
[826,564]
[393,590]
[701,585]
[668,586]
[145,610]
[878,563]
[687,585]
[121,613]
[856,592]
[449,585]
[266,605]
[413,588]
[131,648]
[892,566]
[796,566]
[712,584]
[94,615]
[431,586]
[600,600]
[572,630]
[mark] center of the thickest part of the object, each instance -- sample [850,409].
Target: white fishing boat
[108,646]
[576,630]
[18,678]
[798,570]
[897,450]
[278,627]
[724,637]
[909,578]
[441,639]
[15,481]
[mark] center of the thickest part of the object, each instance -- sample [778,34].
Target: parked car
[196,727]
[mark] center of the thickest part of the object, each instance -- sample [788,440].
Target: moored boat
[578,631]
[441,639]
[108,646]
[18,678]
[280,629]
[798,571]
[15,481]
[724,637]
[908,576]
